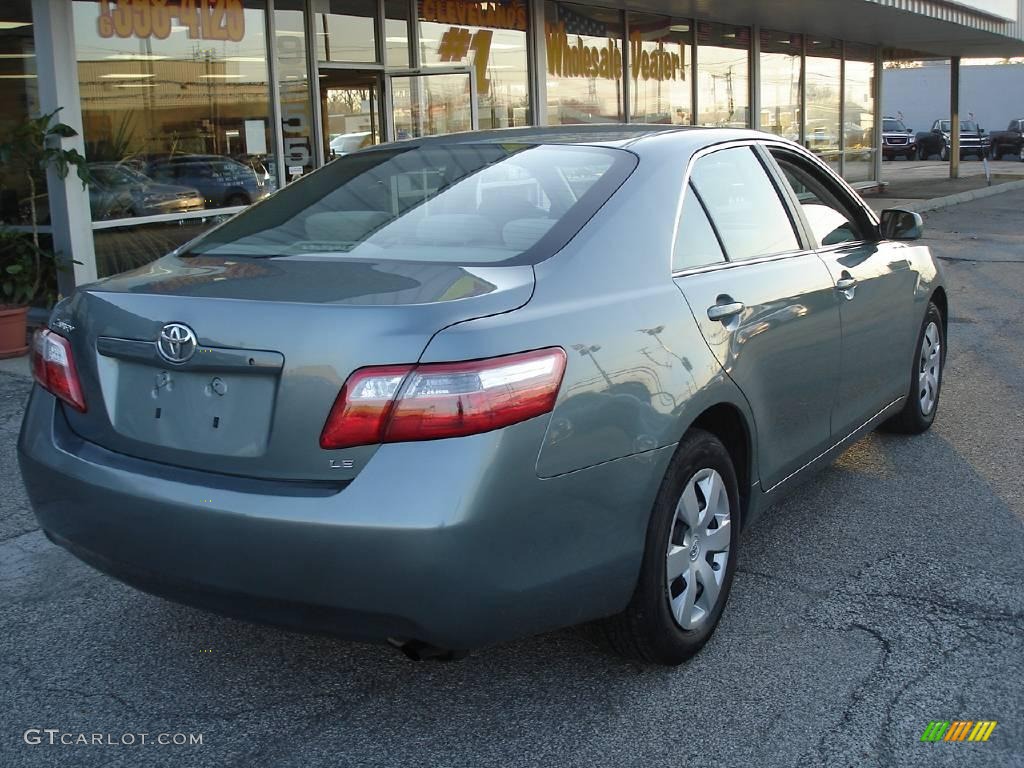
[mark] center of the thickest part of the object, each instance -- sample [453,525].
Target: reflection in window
[723,75]
[743,204]
[18,98]
[345,30]
[659,69]
[780,83]
[696,242]
[821,131]
[860,113]
[175,110]
[584,64]
[396,32]
[490,38]
[293,87]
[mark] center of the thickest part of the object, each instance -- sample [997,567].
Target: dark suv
[897,140]
[223,182]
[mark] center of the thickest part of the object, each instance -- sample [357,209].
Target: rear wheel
[689,557]
[926,378]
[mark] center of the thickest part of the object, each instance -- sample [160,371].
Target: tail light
[54,368]
[399,403]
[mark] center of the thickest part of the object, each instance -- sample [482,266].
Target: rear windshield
[467,204]
[965,126]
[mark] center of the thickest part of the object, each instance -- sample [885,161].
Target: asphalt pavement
[885,593]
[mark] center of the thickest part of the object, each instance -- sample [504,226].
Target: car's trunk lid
[275,340]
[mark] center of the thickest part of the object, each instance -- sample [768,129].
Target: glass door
[350,108]
[433,104]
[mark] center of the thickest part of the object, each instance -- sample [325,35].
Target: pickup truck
[936,141]
[1010,141]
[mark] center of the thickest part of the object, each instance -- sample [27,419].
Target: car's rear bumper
[456,543]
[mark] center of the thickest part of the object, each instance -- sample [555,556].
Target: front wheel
[926,378]
[922,153]
[1020,153]
[689,557]
[944,153]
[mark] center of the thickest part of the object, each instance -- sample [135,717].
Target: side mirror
[910,131]
[897,224]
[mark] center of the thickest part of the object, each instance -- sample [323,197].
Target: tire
[647,629]
[910,155]
[944,153]
[918,412]
[1020,153]
[922,153]
[994,153]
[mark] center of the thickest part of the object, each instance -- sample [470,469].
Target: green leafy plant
[18,259]
[28,150]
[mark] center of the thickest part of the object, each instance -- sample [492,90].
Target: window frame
[772,173]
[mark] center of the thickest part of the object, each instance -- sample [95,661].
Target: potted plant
[28,150]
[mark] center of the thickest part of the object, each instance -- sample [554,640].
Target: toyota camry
[452,391]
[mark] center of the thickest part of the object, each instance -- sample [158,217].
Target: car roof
[632,136]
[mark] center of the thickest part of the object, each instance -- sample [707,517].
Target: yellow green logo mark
[959,730]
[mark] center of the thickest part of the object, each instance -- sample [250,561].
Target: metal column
[954,117]
[57,78]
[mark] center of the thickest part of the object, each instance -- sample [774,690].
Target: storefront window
[659,69]
[18,98]
[345,30]
[859,103]
[489,37]
[293,87]
[175,107]
[396,32]
[723,75]
[781,83]
[584,64]
[821,127]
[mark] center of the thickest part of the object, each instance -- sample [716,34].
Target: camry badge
[177,343]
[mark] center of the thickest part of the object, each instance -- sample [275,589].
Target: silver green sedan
[452,391]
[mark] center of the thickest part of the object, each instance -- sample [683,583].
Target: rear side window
[467,204]
[743,204]
[696,242]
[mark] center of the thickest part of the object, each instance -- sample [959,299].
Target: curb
[965,197]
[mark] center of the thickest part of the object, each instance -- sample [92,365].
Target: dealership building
[189,109]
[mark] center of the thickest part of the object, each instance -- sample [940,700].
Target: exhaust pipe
[417,650]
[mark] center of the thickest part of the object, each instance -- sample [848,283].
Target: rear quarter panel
[638,372]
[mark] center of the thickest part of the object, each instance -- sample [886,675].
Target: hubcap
[698,548]
[930,368]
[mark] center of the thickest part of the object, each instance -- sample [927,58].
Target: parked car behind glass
[462,389]
[142,196]
[221,180]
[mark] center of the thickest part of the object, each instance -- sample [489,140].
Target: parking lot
[885,593]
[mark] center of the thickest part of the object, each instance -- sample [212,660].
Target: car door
[876,284]
[766,305]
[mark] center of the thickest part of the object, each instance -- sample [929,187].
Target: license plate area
[214,412]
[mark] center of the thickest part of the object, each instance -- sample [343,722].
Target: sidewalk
[16,365]
[924,185]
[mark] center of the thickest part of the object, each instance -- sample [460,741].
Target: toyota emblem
[177,343]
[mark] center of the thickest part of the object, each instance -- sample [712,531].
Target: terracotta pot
[12,331]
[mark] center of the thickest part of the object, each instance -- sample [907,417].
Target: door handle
[846,283]
[725,311]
